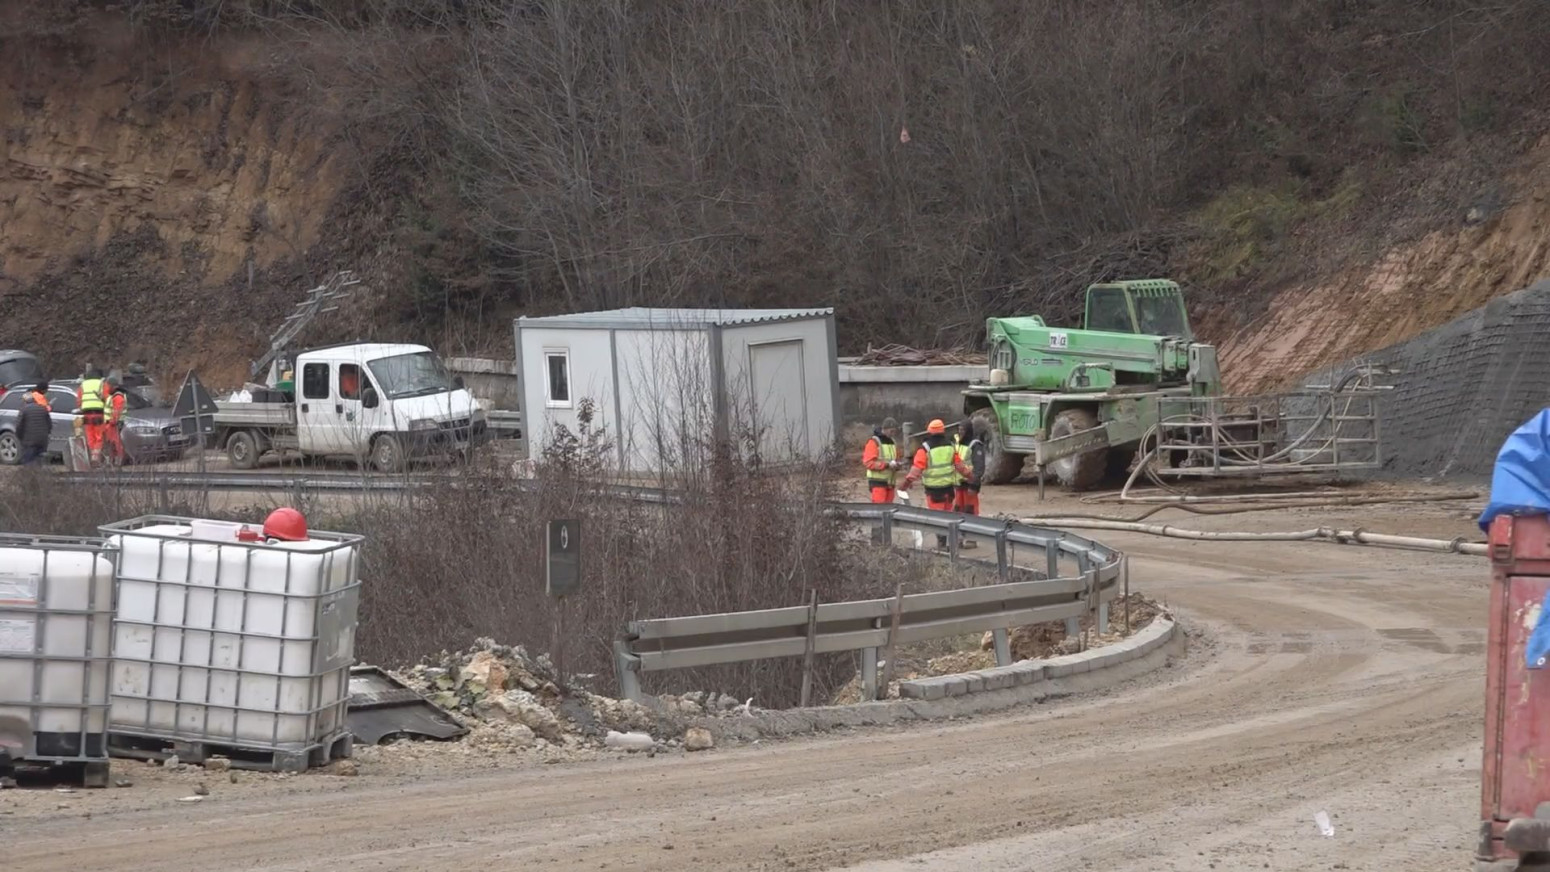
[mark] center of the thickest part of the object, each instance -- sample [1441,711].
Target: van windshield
[410,375]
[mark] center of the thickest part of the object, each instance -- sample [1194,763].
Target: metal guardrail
[1073,576]
[873,627]
[340,482]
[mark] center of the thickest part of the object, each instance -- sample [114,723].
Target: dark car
[150,434]
[18,368]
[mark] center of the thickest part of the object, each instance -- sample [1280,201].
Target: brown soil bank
[140,182]
[1409,289]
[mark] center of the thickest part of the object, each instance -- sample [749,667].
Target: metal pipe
[1320,534]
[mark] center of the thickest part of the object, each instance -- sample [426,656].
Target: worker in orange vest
[113,405]
[881,459]
[937,466]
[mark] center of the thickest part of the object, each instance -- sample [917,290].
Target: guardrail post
[869,672]
[629,679]
[1052,559]
[887,526]
[953,540]
[807,652]
[1083,565]
[1003,646]
[1003,561]
[1103,615]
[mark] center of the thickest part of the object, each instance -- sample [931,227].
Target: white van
[377,402]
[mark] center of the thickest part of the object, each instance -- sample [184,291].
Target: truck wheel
[1001,466]
[386,454]
[1082,471]
[242,450]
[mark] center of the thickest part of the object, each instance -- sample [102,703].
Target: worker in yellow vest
[937,466]
[113,403]
[880,457]
[971,451]
[90,401]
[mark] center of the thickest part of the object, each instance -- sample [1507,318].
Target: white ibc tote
[221,642]
[56,613]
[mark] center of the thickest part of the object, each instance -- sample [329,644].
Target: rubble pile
[511,701]
[903,355]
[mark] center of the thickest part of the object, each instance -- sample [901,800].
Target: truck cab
[1147,307]
[383,402]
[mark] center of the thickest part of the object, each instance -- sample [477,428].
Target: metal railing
[1072,576]
[1303,432]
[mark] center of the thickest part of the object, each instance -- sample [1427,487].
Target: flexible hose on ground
[1270,507]
[1320,534]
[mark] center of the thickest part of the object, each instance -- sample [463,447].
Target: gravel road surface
[1321,677]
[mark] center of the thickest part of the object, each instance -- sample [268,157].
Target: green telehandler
[1081,403]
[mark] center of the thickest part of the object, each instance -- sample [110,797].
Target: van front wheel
[387,453]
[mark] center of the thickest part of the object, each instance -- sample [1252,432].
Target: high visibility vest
[887,452]
[939,466]
[962,453]
[113,407]
[91,395]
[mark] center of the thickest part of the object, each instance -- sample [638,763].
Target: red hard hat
[285,524]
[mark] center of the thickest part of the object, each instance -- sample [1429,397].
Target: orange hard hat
[285,524]
[936,426]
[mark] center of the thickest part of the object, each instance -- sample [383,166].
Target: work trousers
[92,426]
[113,442]
[882,493]
[966,500]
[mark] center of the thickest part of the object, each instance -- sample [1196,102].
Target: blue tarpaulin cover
[1520,485]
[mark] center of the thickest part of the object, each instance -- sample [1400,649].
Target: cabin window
[557,370]
[1108,310]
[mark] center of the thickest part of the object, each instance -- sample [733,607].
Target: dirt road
[1335,678]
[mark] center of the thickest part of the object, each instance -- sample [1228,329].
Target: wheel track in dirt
[1222,761]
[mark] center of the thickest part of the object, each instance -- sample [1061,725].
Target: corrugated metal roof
[669,319]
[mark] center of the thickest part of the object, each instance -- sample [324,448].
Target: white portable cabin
[664,384]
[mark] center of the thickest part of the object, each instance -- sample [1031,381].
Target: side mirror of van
[457,382]
[369,398]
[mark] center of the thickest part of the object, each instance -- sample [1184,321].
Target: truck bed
[229,414]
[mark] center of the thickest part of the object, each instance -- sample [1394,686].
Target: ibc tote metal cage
[55,653]
[246,657]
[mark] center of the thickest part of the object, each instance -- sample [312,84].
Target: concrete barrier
[869,394]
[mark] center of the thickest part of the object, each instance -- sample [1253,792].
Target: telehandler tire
[1001,466]
[1082,471]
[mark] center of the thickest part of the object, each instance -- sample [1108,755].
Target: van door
[356,424]
[316,428]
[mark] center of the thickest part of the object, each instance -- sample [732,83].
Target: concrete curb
[1032,671]
[994,689]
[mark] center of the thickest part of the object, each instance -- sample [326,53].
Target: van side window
[349,381]
[314,381]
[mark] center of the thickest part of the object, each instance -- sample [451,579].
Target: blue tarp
[1520,484]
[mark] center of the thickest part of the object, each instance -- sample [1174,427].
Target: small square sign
[562,558]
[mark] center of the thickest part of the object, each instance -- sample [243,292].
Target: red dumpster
[1515,777]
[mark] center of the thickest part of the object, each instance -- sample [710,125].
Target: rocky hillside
[1322,176]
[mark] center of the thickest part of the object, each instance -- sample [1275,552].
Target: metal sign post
[562,577]
[195,404]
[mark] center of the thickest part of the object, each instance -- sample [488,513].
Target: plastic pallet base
[259,759]
[72,773]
